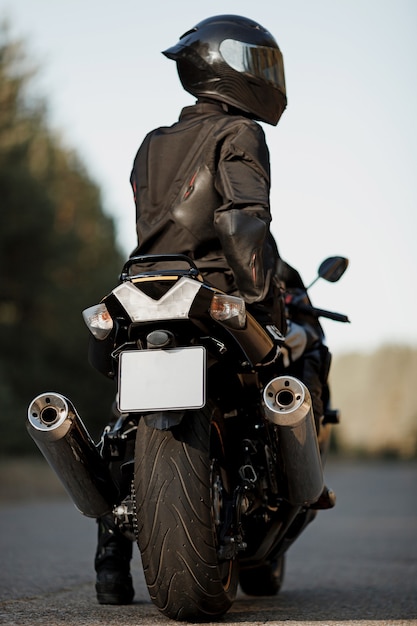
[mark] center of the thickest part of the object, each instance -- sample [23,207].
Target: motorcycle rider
[202,188]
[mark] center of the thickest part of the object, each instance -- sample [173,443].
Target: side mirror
[332,268]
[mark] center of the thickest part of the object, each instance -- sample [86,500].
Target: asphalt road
[355,564]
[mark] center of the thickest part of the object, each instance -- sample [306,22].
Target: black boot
[112,564]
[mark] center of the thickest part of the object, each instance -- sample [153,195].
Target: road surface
[355,564]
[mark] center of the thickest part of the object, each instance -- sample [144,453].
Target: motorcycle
[212,463]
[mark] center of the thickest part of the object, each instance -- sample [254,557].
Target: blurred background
[81,83]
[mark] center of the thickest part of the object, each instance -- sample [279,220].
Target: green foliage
[57,256]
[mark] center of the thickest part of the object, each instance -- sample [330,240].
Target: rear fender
[164,420]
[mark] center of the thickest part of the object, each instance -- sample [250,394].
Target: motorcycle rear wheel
[177,493]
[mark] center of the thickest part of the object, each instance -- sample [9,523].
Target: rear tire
[177,498]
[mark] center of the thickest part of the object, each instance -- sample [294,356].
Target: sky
[343,155]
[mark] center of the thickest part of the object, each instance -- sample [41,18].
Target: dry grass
[375,393]
[28,478]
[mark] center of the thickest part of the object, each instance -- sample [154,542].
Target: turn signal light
[229,310]
[98,320]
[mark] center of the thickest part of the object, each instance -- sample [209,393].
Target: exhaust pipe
[59,433]
[287,405]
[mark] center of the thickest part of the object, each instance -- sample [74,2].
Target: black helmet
[234,60]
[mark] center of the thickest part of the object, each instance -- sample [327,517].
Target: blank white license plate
[162,380]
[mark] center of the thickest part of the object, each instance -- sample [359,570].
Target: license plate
[162,380]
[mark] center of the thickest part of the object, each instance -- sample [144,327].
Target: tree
[57,256]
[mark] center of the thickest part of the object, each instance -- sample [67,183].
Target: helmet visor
[261,61]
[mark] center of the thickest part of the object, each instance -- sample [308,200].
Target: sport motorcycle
[212,462]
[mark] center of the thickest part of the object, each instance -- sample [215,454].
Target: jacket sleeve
[242,221]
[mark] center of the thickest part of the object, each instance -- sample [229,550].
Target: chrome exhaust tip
[56,428]
[287,405]
[48,412]
[287,401]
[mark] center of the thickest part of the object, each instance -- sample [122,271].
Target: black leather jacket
[201,188]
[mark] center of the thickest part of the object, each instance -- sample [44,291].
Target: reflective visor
[260,61]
